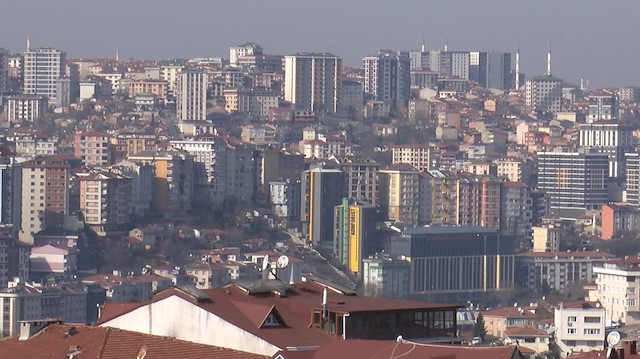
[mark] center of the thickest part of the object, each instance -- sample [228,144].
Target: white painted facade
[580,329]
[177,318]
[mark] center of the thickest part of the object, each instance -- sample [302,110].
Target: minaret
[518,67]
[422,48]
[28,44]
[117,55]
[549,61]
[446,45]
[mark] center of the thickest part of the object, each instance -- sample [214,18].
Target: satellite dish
[265,262]
[282,262]
[613,338]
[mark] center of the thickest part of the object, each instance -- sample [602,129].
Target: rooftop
[56,341]
[448,230]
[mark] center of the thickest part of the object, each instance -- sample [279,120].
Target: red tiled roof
[107,343]
[525,331]
[234,305]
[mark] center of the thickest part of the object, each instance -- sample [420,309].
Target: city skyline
[581,47]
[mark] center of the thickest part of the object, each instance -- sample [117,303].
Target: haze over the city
[596,40]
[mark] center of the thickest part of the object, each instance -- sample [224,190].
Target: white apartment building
[543,94]
[42,68]
[617,287]
[313,81]
[26,108]
[418,156]
[191,96]
[580,326]
[236,52]
[609,138]
[169,73]
[603,106]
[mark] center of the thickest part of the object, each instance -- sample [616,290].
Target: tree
[479,330]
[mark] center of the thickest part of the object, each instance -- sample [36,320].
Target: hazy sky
[594,38]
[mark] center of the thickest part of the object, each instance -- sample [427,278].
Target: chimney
[28,328]
[633,349]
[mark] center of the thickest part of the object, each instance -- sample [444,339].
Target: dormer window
[271,321]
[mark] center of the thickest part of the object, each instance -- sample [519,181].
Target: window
[592,331]
[571,331]
[571,343]
[592,319]
[572,319]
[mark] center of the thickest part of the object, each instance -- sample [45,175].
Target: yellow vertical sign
[354,239]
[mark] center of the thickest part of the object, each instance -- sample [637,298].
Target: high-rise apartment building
[105,201]
[419,156]
[210,167]
[169,73]
[603,105]
[574,182]
[42,69]
[321,191]
[478,67]
[313,81]
[450,63]
[361,178]
[400,193]
[632,167]
[543,93]
[609,138]
[441,198]
[499,71]
[10,181]
[387,77]
[191,95]
[354,224]
[479,201]
[26,108]
[236,52]
[92,148]
[45,196]
[4,70]
[173,185]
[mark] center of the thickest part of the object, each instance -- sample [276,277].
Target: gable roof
[293,307]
